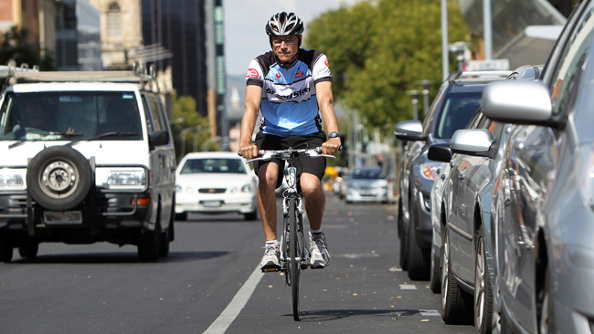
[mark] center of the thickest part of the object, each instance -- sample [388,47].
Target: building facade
[179,27]
[121,32]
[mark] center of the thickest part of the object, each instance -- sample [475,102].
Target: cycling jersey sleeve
[321,70]
[254,75]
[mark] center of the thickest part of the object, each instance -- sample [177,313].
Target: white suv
[86,157]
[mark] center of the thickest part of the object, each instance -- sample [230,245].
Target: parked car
[367,185]
[86,157]
[215,182]
[456,101]
[464,215]
[346,177]
[543,205]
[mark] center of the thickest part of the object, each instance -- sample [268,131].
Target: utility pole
[445,57]
[488,29]
[221,72]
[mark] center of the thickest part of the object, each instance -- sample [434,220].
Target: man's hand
[249,151]
[331,146]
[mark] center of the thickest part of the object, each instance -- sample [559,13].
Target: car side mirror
[409,131]
[440,152]
[476,142]
[158,138]
[519,102]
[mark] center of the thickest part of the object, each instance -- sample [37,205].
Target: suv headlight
[12,179]
[121,178]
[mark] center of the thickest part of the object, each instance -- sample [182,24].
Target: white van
[85,157]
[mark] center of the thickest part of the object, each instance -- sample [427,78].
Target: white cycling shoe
[320,258]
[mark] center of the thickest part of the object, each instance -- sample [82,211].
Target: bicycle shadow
[329,315]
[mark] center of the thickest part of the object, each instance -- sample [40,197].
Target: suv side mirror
[158,138]
[476,142]
[409,131]
[440,152]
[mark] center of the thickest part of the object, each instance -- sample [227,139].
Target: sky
[245,37]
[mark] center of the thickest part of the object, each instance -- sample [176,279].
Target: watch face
[333,135]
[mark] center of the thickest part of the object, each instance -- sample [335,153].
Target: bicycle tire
[294,266]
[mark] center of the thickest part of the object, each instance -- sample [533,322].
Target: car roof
[198,155]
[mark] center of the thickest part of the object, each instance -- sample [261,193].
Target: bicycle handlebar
[288,153]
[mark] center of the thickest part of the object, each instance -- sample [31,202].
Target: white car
[215,182]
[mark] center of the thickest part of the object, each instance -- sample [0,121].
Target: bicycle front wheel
[294,265]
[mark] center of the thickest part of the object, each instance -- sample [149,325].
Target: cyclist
[291,86]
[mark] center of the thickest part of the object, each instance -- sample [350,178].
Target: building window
[114,20]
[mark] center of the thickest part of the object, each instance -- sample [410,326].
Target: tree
[184,109]
[379,50]
[13,46]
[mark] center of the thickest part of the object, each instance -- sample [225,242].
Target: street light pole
[415,101]
[425,84]
[445,57]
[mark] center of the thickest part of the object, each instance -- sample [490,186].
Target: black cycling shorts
[315,166]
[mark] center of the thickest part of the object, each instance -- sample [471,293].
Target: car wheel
[59,178]
[404,249]
[546,321]
[418,258]
[29,250]
[148,245]
[181,216]
[251,215]
[6,249]
[483,293]
[456,307]
[435,281]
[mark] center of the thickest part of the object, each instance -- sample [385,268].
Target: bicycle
[294,256]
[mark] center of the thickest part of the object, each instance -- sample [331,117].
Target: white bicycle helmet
[283,24]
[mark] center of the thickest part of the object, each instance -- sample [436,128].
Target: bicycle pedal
[271,270]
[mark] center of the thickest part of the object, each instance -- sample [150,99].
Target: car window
[147,115]
[154,110]
[458,108]
[56,115]
[368,174]
[429,118]
[215,165]
[571,61]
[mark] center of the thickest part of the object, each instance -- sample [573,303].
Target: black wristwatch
[333,134]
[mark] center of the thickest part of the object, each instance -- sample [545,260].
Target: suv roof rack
[138,75]
[479,75]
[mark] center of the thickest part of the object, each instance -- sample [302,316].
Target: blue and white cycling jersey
[289,105]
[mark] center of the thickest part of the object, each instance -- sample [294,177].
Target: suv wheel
[59,178]
[148,245]
[29,250]
[6,249]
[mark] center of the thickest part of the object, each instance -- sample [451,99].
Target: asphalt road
[209,284]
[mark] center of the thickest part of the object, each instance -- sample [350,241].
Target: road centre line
[222,323]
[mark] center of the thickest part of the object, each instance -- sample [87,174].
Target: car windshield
[367,174]
[68,115]
[213,165]
[457,111]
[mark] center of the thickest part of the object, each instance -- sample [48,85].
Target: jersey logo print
[298,75]
[252,73]
[278,75]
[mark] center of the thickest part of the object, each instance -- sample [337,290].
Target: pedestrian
[291,87]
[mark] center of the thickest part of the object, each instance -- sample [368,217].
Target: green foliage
[14,47]
[197,128]
[379,50]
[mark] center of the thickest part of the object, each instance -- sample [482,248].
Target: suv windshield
[67,115]
[457,111]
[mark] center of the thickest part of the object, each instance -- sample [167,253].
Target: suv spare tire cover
[59,178]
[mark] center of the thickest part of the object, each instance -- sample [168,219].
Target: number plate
[212,204]
[62,218]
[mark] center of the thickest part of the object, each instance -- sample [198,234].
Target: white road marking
[356,256]
[224,320]
[407,287]
[429,313]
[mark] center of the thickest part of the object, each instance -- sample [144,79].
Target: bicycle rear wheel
[294,265]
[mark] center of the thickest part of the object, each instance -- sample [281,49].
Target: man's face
[285,47]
